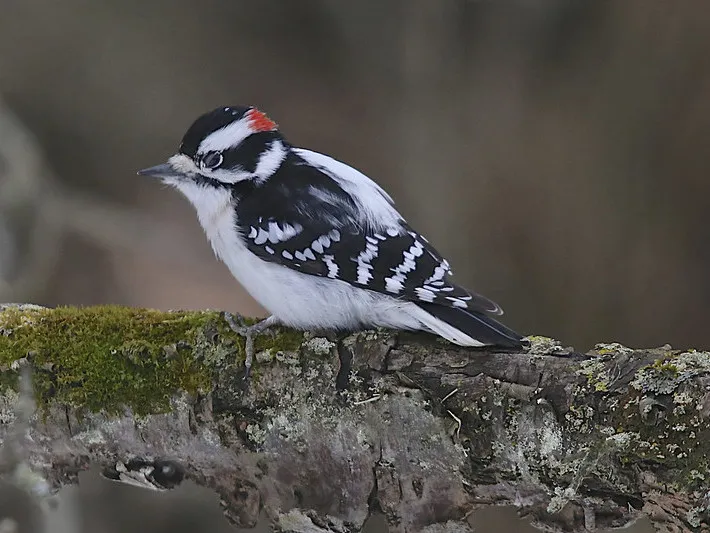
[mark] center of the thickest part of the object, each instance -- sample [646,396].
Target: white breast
[298,300]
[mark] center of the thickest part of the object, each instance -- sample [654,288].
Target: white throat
[214,206]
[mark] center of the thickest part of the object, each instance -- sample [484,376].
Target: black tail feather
[476,325]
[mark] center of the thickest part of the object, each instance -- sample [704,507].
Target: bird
[315,241]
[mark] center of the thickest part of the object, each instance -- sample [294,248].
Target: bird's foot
[249,333]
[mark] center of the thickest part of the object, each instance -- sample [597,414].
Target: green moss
[106,357]
[109,357]
[282,340]
[665,367]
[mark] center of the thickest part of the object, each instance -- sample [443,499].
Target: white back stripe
[375,204]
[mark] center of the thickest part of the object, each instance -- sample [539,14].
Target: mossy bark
[330,430]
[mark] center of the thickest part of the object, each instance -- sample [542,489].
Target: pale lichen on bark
[330,430]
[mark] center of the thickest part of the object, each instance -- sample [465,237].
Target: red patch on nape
[258,121]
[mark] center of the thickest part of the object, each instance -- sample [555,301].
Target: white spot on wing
[283,232]
[363,263]
[262,237]
[317,246]
[309,254]
[324,240]
[287,255]
[269,249]
[332,266]
[457,302]
[252,232]
[438,274]
[395,284]
[276,234]
[291,230]
[425,295]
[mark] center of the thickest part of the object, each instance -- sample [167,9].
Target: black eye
[212,160]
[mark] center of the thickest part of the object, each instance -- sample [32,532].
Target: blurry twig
[108,224]
[29,234]
[36,211]
[24,494]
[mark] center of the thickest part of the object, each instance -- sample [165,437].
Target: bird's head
[225,146]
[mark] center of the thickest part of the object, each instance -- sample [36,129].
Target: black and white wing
[316,227]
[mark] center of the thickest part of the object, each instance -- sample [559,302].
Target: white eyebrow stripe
[229,136]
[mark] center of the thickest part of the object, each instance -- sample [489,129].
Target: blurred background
[556,151]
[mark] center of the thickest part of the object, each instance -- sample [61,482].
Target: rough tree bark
[330,430]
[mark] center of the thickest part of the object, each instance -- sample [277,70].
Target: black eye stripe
[247,154]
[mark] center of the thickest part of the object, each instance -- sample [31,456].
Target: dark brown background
[556,151]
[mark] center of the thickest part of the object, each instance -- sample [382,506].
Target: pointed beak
[164,170]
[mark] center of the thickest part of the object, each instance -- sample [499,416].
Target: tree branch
[328,432]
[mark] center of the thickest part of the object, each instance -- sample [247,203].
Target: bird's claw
[249,333]
[232,323]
